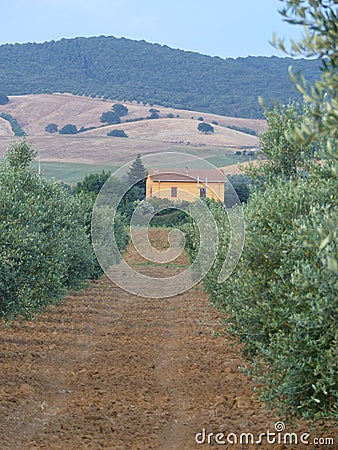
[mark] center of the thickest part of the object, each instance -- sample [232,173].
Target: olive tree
[282,298]
[44,247]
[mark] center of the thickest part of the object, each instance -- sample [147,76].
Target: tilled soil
[109,370]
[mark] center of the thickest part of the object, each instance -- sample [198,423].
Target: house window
[203,192]
[174,191]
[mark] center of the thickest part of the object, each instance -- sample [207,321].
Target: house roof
[188,175]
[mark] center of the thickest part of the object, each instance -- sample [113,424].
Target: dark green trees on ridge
[122,70]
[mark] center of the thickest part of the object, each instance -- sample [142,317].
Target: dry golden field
[34,112]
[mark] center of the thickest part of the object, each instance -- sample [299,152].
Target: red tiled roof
[192,175]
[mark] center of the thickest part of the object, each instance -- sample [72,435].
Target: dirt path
[108,370]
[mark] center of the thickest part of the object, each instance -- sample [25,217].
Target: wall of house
[185,190]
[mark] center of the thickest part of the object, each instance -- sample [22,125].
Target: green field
[73,172]
[70,172]
[227,159]
[217,157]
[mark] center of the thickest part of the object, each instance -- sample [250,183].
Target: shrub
[242,129]
[205,128]
[154,113]
[117,133]
[136,119]
[119,109]
[242,185]
[51,128]
[69,129]
[83,129]
[86,192]
[111,117]
[169,216]
[3,99]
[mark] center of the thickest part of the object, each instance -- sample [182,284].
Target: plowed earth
[109,370]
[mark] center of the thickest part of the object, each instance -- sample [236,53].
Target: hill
[70,157]
[124,69]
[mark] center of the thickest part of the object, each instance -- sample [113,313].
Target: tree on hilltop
[3,99]
[154,113]
[117,133]
[69,129]
[119,109]
[51,128]
[110,117]
[205,128]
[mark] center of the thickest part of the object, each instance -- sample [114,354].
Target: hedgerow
[45,247]
[282,299]
[17,130]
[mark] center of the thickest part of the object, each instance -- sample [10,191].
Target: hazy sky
[226,28]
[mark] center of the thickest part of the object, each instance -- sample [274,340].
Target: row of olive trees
[282,299]
[45,247]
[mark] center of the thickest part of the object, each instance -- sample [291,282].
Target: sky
[225,28]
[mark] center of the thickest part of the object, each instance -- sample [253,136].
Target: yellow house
[185,184]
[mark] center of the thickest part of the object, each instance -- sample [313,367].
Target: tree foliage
[205,128]
[92,182]
[280,156]
[137,171]
[16,128]
[121,110]
[282,299]
[137,180]
[166,213]
[117,133]
[242,185]
[44,247]
[319,19]
[69,129]
[126,70]
[241,129]
[110,117]
[3,99]
[154,113]
[52,128]
[86,192]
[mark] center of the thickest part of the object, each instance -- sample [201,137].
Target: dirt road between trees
[109,370]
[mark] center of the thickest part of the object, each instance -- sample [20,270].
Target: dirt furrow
[109,370]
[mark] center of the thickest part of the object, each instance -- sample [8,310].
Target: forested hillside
[123,69]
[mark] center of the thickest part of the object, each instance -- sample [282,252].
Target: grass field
[70,172]
[73,172]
